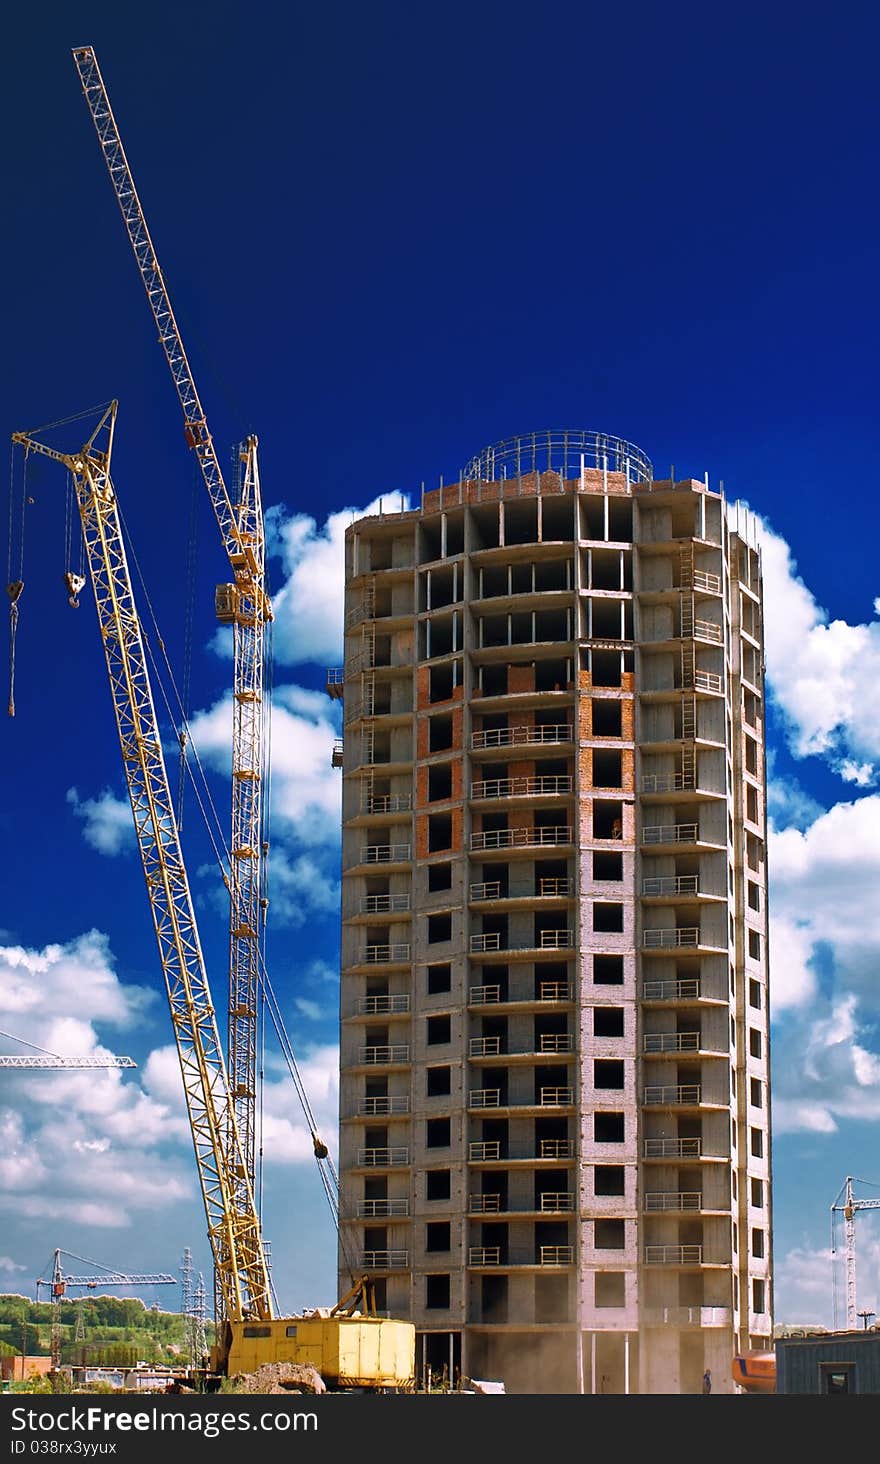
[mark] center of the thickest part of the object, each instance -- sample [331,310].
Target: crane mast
[233,1224]
[59,1283]
[847,1204]
[244,604]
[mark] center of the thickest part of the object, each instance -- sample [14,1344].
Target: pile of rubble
[280,1377]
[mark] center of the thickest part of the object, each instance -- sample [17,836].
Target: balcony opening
[552,1302]
[494,630]
[439,838]
[552,625]
[495,1131]
[755,945]
[610,1289]
[608,970]
[493,1298]
[438,1082]
[592,517]
[454,533]
[608,1073]
[552,675]
[609,1234]
[607,768]
[493,680]
[438,1236]
[608,1128]
[755,1044]
[552,1242]
[439,877]
[758,1293]
[606,619]
[751,756]
[751,804]
[439,637]
[437,1292]
[555,574]
[429,547]
[443,681]
[757,1193]
[521,629]
[376,1189]
[484,522]
[754,895]
[557,520]
[607,819]
[609,1179]
[551,1139]
[607,716]
[438,1184]
[440,588]
[756,1143]
[608,1021]
[620,520]
[439,782]
[376,1238]
[755,994]
[439,1029]
[607,866]
[606,668]
[438,1132]
[376,1138]
[605,570]
[521,522]
[607,918]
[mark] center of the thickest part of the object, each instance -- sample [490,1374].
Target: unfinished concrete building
[554,1111]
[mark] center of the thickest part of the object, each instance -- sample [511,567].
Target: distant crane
[54,1060]
[59,1284]
[847,1205]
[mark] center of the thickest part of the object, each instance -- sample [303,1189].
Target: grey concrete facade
[554,1098]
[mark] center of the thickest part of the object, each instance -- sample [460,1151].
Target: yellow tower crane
[348,1349]
[243,604]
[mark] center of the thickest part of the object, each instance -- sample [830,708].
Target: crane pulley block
[226,598]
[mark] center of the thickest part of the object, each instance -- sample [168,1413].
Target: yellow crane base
[348,1352]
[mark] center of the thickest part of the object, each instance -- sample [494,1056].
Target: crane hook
[74,583]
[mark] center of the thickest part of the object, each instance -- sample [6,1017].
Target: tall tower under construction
[554,1098]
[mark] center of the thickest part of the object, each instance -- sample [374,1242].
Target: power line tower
[847,1205]
[186,1301]
[199,1340]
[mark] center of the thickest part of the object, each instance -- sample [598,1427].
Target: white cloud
[309,605]
[107,819]
[823,674]
[309,1009]
[7,1265]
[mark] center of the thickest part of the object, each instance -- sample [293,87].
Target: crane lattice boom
[245,605]
[233,1225]
[66,1062]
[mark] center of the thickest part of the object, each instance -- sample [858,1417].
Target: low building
[836,1362]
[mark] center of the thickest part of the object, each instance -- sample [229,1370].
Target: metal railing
[389,803]
[688,1316]
[671,1042]
[549,887]
[676,1095]
[386,853]
[484,1098]
[335,676]
[556,1042]
[484,995]
[673,1200]
[673,1255]
[554,991]
[384,955]
[554,940]
[555,1202]
[673,1148]
[670,834]
[552,783]
[555,1255]
[521,736]
[484,1047]
[687,989]
[522,838]
[491,942]
[375,1006]
[385,904]
[484,1255]
[708,681]
[388,1053]
[381,1209]
[668,782]
[484,1204]
[709,582]
[384,1260]
[671,884]
[555,1097]
[484,1149]
[556,1149]
[707,630]
[683,935]
[383,1158]
[381,1107]
[566,453]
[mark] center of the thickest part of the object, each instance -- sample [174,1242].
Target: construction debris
[280,1377]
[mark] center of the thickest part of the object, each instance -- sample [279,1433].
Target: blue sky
[394,234]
